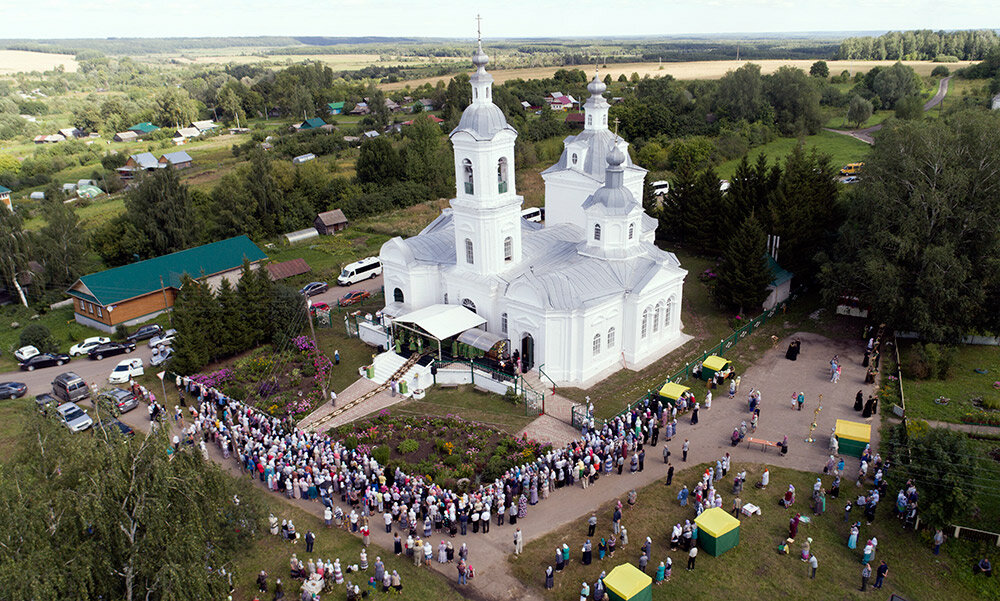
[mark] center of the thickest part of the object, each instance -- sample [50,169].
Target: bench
[763,443]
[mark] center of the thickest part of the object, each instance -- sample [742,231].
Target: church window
[667,313]
[605,119]
[446,298]
[575,158]
[631,230]
[475,92]
[468,304]
[645,322]
[597,231]
[503,323]
[656,316]
[590,119]
[397,295]
[597,344]
[508,249]
[611,338]
[502,175]
[469,256]
[467,175]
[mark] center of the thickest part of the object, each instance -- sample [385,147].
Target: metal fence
[531,400]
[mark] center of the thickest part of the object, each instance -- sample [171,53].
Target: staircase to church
[537,383]
[389,360]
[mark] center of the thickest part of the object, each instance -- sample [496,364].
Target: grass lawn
[841,149]
[988,474]
[754,569]
[470,404]
[12,416]
[964,384]
[272,554]
[65,331]
[839,119]
[327,255]
[403,222]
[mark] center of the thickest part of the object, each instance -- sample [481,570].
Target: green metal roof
[141,278]
[145,127]
[336,105]
[780,274]
[312,123]
[4,190]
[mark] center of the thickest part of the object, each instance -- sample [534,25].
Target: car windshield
[122,368]
[345,274]
[73,414]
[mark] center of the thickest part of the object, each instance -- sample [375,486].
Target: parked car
[117,401]
[70,387]
[85,346]
[43,360]
[314,288]
[25,352]
[166,339]
[112,425]
[45,402]
[73,417]
[126,370]
[144,333]
[160,357]
[110,350]
[313,308]
[352,297]
[12,390]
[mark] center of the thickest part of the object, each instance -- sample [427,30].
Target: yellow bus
[852,169]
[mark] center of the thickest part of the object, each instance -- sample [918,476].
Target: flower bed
[444,449]
[982,418]
[285,383]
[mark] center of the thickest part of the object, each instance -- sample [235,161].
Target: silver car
[74,417]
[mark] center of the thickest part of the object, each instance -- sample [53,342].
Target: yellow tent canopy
[714,363]
[673,391]
[627,581]
[716,522]
[853,431]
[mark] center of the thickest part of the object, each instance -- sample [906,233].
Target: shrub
[381,454]
[944,58]
[925,361]
[941,71]
[38,336]
[408,446]
[351,443]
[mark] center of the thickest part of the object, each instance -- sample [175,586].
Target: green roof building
[314,123]
[5,197]
[143,128]
[336,108]
[139,291]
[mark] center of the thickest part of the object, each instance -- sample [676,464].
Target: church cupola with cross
[486,207]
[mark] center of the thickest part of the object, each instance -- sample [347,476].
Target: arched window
[508,249]
[597,344]
[667,313]
[590,119]
[605,118]
[631,230]
[597,231]
[468,304]
[656,316]
[446,298]
[611,338]
[575,158]
[502,175]
[469,256]
[467,176]
[503,323]
[645,322]
[397,295]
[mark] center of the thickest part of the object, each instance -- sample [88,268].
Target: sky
[501,19]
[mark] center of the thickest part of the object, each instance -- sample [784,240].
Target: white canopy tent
[439,322]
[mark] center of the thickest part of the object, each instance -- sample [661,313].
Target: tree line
[923,44]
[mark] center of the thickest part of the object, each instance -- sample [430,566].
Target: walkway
[776,377]
[967,428]
[865,135]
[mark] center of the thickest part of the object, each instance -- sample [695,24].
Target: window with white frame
[469,256]
[645,322]
[597,344]
[597,231]
[508,249]
[611,338]
[503,323]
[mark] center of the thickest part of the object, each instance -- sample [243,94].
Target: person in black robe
[859,401]
[793,350]
[588,553]
[694,414]
[864,362]
[868,407]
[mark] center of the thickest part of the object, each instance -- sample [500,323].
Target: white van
[360,270]
[536,214]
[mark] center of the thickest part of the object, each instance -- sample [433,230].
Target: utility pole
[166,307]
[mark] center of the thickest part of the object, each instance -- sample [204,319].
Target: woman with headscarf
[584,592]
[789,497]
[397,582]
[852,540]
[550,579]
[661,572]
[793,526]
[612,542]
[859,401]
[806,550]
[442,553]
[587,552]
[522,506]
[868,410]
[602,549]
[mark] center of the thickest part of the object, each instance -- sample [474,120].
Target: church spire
[596,107]
[482,82]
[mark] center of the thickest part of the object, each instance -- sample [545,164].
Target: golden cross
[479,27]
[616,126]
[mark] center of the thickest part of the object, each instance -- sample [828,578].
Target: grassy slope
[753,569]
[471,405]
[964,384]
[841,149]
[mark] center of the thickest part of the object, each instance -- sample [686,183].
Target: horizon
[456,20]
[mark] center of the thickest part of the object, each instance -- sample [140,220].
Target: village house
[286,269]
[126,136]
[313,123]
[177,160]
[335,108]
[143,129]
[203,126]
[184,133]
[330,222]
[558,101]
[360,108]
[5,198]
[145,161]
[133,293]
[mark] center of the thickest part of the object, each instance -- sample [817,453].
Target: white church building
[585,295]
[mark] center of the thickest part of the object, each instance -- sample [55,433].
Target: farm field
[19,61]
[250,55]
[687,70]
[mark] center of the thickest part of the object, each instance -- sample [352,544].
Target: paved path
[968,428]
[775,376]
[865,135]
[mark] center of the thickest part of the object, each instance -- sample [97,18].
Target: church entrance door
[527,352]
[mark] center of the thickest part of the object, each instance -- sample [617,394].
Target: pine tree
[253,301]
[195,313]
[703,213]
[743,273]
[232,327]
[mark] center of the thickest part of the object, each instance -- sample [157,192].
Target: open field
[754,569]
[964,384]
[19,61]
[689,70]
[841,149]
[249,55]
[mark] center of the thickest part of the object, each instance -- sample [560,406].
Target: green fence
[720,349]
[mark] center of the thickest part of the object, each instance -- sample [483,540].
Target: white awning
[442,321]
[481,339]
